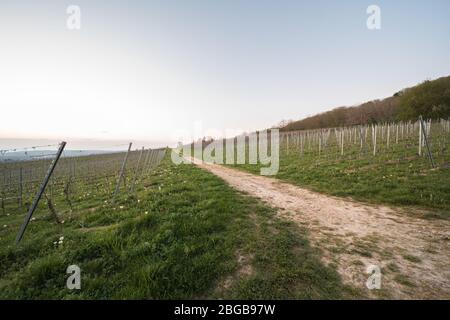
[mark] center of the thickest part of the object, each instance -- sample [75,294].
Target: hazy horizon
[74,144]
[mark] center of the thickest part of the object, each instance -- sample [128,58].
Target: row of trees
[431,99]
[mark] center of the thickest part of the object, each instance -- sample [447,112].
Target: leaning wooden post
[147,155]
[40,192]
[430,156]
[148,161]
[122,170]
[133,184]
[152,156]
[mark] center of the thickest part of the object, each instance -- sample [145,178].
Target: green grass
[184,235]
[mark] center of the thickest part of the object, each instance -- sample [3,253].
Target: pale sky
[140,71]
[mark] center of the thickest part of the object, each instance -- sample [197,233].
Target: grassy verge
[185,234]
[406,181]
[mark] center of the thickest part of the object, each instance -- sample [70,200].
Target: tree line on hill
[431,99]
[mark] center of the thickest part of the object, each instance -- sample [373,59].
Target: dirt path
[413,253]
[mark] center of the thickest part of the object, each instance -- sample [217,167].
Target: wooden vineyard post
[396,133]
[122,170]
[308,137]
[40,192]
[430,156]
[133,184]
[146,162]
[320,143]
[374,139]
[68,185]
[388,135]
[301,145]
[150,160]
[366,130]
[287,144]
[147,157]
[420,136]
[361,137]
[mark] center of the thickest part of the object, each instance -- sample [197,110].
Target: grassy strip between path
[186,234]
[405,182]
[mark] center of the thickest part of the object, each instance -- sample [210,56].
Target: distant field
[184,234]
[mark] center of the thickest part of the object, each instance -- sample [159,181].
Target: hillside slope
[430,99]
